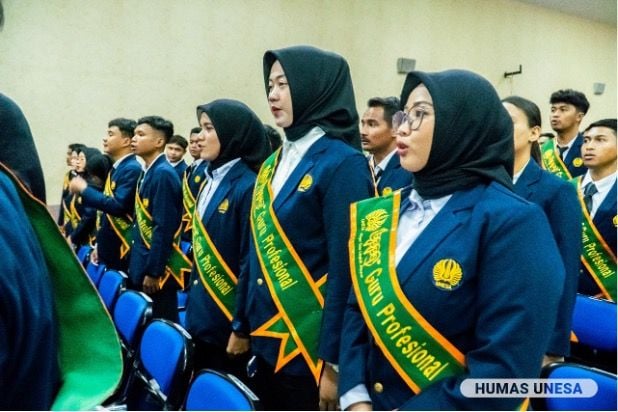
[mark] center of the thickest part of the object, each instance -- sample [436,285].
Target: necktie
[589,191]
[377,173]
[562,150]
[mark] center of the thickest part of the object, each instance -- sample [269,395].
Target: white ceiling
[598,10]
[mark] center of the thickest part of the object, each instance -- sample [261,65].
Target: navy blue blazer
[317,223]
[180,169]
[605,222]
[394,176]
[196,176]
[575,157]
[501,315]
[229,230]
[558,199]
[161,190]
[29,370]
[124,182]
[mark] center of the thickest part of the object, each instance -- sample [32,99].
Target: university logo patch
[305,184]
[577,162]
[374,220]
[197,179]
[223,206]
[447,274]
[387,191]
[113,185]
[615,220]
[146,202]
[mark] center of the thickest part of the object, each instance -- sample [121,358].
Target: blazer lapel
[528,179]
[444,223]
[306,163]
[224,188]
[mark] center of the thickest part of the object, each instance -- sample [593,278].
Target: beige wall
[73,65]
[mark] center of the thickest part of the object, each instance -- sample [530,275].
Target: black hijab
[473,134]
[322,93]
[90,153]
[240,132]
[18,151]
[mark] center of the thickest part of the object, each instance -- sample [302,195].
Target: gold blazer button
[378,387]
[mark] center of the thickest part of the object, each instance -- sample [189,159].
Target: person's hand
[151,285]
[236,345]
[77,184]
[94,256]
[328,389]
[360,406]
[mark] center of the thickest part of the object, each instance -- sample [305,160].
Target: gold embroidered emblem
[447,274]
[305,184]
[387,191]
[265,175]
[223,206]
[197,179]
[577,162]
[374,220]
[145,202]
[113,185]
[615,220]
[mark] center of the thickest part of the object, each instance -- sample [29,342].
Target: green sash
[597,256]
[552,161]
[293,290]
[188,203]
[418,352]
[177,265]
[89,355]
[74,216]
[120,225]
[216,276]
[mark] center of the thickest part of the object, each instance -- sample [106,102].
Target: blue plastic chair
[132,312]
[110,286]
[83,254]
[95,272]
[604,400]
[163,367]
[214,391]
[594,323]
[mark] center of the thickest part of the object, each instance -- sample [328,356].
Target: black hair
[195,130]
[76,147]
[126,126]
[530,109]
[179,140]
[609,123]
[274,138]
[158,123]
[570,96]
[389,104]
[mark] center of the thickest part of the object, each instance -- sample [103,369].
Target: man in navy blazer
[175,151]
[599,154]
[378,138]
[159,191]
[118,198]
[195,174]
[568,108]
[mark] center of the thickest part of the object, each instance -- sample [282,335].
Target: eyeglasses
[414,119]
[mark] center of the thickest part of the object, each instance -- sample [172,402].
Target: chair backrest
[603,400]
[132,312]
[165,353]
[214,391]
[83,253]
[95,272]
[112,282]
[594,323]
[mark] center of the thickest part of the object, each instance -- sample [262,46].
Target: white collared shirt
[291,155]
[382,165]
[517,175]
[603,187]
[412,222]
[175,163]
[568,146]
[212,184]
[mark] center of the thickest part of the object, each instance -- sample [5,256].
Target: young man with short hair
[157,266]
[597,191]
[192,181]
[175,151]
[117,200]
[379,139]
[562,155]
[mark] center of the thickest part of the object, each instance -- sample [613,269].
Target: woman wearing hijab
[558,199]
[235,145]
[83,218]
[299,270]
[449,282]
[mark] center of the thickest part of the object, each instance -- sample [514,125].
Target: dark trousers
[210,356]
[164,302]
[279,392]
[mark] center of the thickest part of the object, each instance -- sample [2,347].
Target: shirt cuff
[355,395]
